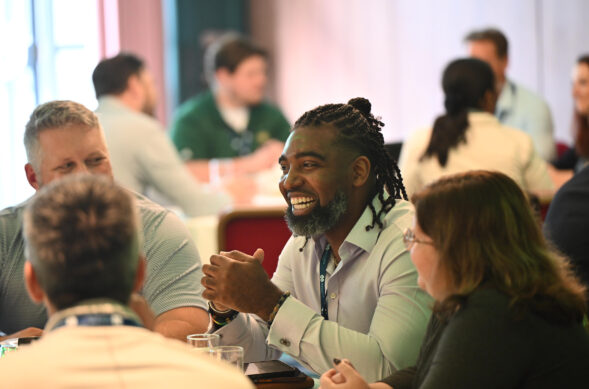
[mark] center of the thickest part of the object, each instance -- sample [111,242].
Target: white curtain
[393,52]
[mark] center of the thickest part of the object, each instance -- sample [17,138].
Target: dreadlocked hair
[361,131]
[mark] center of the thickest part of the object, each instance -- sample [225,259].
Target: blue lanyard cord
[322,274]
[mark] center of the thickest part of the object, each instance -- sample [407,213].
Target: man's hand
[242,188]
[31,331]
[263,158]
[238,281]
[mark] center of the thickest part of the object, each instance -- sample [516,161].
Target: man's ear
[33,288]
[134,86]
[360,170]
[140,275]
[505,63]
[32,176]
[222,75]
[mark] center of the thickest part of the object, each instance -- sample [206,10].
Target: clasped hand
[238,281]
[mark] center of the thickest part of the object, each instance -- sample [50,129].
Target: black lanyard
[322,274]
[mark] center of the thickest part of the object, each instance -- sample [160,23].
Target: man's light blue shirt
[521,108]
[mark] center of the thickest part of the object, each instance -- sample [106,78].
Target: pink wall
[136,26]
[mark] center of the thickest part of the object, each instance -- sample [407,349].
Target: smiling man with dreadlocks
[345,284]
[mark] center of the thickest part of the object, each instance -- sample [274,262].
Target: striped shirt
[173,267]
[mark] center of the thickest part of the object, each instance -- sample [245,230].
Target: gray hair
[51,115]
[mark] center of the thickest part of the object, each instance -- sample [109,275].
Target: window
[51,50]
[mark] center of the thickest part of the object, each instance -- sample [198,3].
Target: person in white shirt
[344,284]
[516,105]
[469,137]
[142,156]
[84,260]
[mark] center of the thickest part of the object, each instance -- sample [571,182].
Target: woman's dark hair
[485,233]
[581,122]
[465,82]
[360,131]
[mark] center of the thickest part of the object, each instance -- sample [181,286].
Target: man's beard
[321,219]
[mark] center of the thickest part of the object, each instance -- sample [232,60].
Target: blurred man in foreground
[83,243]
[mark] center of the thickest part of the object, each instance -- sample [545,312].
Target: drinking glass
[230,354]
[204,341]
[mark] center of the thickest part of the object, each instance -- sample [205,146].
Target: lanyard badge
[322,274]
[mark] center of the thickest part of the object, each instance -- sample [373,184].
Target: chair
[248,229]
[561,148]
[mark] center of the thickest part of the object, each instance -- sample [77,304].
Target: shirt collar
[358,236]
[506,97]
[93,306]
[481,118]
[111,103]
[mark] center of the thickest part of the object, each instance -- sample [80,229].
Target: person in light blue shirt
[517,106]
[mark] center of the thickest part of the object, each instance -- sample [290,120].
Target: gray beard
[321,219]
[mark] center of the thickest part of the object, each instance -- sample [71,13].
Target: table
[306,384]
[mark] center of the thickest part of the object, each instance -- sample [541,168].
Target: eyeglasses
[409,239]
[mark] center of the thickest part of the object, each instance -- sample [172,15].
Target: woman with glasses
[507,311]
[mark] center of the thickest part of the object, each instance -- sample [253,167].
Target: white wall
[393,51]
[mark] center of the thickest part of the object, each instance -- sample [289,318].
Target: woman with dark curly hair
[508,311]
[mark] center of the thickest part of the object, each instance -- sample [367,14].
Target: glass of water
[204,341]
[230,354]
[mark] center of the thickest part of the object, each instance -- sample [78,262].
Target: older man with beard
[345,284]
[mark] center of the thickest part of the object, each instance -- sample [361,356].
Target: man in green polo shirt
[230,129]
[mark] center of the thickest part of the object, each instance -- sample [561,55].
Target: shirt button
[285,342]
[333,296]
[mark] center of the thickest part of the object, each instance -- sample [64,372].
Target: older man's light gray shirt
[144,160]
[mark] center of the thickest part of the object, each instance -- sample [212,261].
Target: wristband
[221,318]
[277,307]
[214,171]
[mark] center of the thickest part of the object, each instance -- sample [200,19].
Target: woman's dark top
[485,346]
[567,222]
